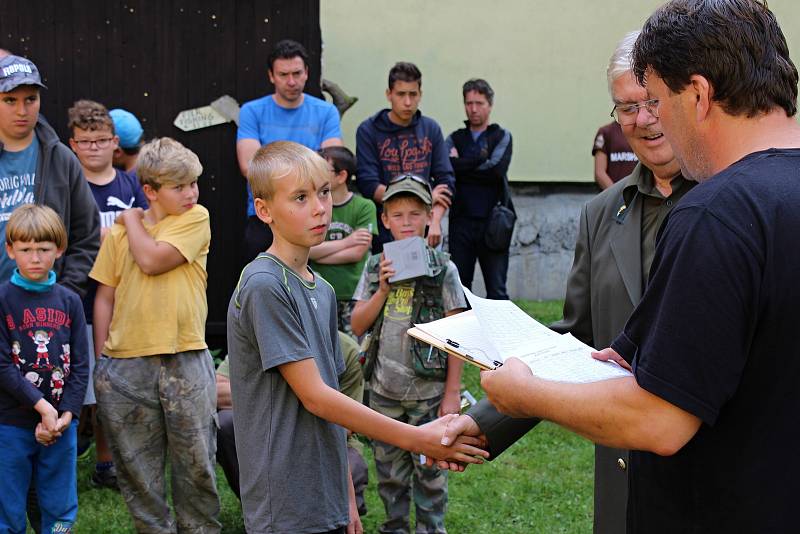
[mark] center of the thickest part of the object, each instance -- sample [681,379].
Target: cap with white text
[16,71]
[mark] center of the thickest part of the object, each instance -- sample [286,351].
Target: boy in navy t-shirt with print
[94,140]
[43,375]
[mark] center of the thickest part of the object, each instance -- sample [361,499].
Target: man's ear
[389,95]
[703,93]
[262,208]
[269,75]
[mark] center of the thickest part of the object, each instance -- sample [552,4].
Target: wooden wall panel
[156,59]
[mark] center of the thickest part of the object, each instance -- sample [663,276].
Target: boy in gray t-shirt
[284,358]
[299,322]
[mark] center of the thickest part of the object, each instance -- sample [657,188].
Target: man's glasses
[100,143]
[402,177]
[626,114]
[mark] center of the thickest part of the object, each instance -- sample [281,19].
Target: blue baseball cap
[16,71]
[127,127]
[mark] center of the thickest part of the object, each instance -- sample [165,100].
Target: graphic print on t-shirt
[17,181]
[405,153]
[107,218]
[399,302]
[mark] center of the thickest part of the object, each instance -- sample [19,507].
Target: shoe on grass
[106,479]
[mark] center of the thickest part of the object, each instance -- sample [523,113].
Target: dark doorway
[156,59]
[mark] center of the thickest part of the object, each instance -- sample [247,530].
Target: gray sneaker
[105,479]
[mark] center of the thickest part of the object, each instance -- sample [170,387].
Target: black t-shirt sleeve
[688,339]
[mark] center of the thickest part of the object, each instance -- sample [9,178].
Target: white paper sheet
[513,333]
[566,359]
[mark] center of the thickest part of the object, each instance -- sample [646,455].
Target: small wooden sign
[222,110]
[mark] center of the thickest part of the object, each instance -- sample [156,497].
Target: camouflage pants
[396,468]
[344,310]
[156,407]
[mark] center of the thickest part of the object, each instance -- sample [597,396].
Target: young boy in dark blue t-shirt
[43,375]
[94,140]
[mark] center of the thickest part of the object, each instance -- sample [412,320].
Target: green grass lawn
[541,484]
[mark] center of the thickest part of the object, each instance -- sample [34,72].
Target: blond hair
[32,222]
[89,115]
[280,159]
[164,161]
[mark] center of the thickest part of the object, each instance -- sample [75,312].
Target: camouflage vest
[427,305]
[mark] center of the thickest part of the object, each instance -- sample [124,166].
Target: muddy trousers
[154,408]
[399,471]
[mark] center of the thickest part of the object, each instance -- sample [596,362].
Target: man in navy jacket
[480,154]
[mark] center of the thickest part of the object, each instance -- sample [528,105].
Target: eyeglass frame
[420,180]
[651,106]
[85,144]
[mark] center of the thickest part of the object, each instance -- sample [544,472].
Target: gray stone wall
[543,244]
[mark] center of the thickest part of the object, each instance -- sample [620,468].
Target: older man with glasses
[613,254]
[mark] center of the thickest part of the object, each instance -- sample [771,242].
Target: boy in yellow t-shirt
[155,379]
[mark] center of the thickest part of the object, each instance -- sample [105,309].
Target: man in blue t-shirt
[288,114]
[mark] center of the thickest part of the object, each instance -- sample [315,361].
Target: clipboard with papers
[494,330]
[469,352]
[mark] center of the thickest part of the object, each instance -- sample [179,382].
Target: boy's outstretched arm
[153,257]
[327,403]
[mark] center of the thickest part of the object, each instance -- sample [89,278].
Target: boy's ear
[72,144]
[59,252]
[150,193]
[9,251]
[262,210]
[385,220]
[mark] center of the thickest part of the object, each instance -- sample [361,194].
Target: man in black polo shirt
[711,410]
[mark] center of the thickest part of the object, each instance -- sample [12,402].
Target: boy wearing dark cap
[409,381]
[36,168]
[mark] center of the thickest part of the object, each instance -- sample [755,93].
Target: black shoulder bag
[500,226]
